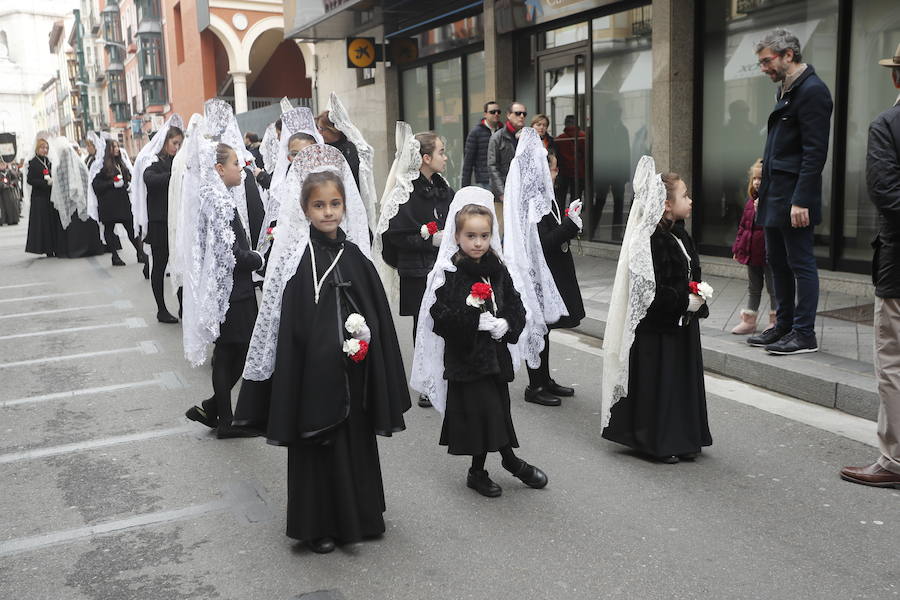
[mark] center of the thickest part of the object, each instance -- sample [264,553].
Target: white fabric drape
[338,115]
[70,181]
[634,287]
[148,155]
[180,202]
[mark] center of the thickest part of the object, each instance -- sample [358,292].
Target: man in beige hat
[883,181]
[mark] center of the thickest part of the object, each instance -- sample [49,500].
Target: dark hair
[222,152]
[323,121]
[173,132]
[488,103]
[112,165]
[301,136]
[512,104]
[551,156]
[569,121]
[278,124]
[252,137]
[314,180]
[427,141]
[670,181]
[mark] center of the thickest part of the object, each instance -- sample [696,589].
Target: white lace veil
[295,120]
[397,188]
[69,191]
[527,197]
[428,362]
[269,148]
[634,287]
[99,141]
[148,155]
[291,241]
[338,115]
[180,203]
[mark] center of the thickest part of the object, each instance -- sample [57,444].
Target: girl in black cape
[663,411]
[335,382]
[44,226]
[114,206]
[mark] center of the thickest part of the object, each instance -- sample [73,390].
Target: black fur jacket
[471,354]
[671,269]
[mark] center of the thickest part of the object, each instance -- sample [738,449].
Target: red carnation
[432,227]
[361,353]
[116,178]
[482,291]
[567,212]
[694,287]
[46,171]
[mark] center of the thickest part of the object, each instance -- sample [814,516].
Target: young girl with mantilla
[471,317]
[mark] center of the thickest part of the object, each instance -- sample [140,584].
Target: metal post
[82,72]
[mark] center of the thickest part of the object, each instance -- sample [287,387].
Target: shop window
[875,33]
[475,89]
[566,35]
[737,101]
[448,113]
[452,35]
[365,77]
[415,98]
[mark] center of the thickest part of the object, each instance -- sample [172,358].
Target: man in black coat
[475,154]
[883,181]
[790,196]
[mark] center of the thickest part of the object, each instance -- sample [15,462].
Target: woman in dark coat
[9,195]
[114,206]
[44,227]
[334,137]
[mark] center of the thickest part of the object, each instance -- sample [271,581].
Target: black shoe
[769,336]
[528,474]
[794,343]
[669,460]
[116,261]
[146,270]
[481,483]
[689,455]
[559,390]
[195,413]
[321,546]
[424,402]
[540,395]
[164,316]
[224,432]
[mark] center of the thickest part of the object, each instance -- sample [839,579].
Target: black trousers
[159,249]
[541,376]
[227,367]
[112,238]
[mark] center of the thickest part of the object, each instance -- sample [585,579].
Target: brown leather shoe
[872,475]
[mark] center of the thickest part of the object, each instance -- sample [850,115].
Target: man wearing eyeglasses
[502,149]
[475,154]
[790,196]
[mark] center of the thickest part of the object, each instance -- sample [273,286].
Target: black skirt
[80,239]
[665,411]
[335,488]
[239,322]
[412,289]
[44,226]
[477,418]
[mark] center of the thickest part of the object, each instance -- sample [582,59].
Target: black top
[404,247]
[883,181]
[256,210]
[349,151]
[555,238]
[156,177]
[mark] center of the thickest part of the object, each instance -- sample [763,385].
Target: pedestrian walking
[475,153]
[541,124]
[150,203]
[501,151]
[417,212]
[324,374]
[653,396]
[883,181]
[749,249]
[529,188]
[570,150]
[471,318]
[9,194]
[111,181]
[790,195]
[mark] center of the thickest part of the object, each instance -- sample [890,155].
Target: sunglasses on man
[520,113]
[494,112]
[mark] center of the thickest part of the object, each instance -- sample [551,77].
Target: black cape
[555,238]
[308,396]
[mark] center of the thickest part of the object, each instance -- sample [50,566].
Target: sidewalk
[839,376]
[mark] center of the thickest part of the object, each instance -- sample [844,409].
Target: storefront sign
[518,14]
[361,53]
[403,50]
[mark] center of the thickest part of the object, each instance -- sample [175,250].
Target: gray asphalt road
[107,492]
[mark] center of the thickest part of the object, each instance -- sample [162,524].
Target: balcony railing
[254,102]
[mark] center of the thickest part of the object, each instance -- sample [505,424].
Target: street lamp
[109,43]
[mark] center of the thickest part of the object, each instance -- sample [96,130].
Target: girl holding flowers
[653,395]
[470,320]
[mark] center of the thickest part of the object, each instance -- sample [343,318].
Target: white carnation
[423,231]
[351,346]
[355,323]
[705,290]
[475,302]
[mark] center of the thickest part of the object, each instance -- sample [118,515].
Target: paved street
[108,493]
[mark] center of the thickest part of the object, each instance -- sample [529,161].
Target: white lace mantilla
[269,148]
[341,119]
[68,193]
[148,155]
[183,201]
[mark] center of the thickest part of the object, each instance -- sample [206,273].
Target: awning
[309,19]
[640,77]
[743,65]
[565,86]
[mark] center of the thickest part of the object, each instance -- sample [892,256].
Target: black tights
[160,253]
[227,366]
[541,376]
[509,458]
[112,239]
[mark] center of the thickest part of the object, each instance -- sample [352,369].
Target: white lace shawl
[399,185]
[634,287]
[70,176]
[338,115]
[290,244]
[428,361]
[295,120]
[182,199]
[148,155]
[209,279]
[99,141]
[269,148]
[527,197]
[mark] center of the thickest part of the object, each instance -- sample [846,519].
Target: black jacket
[795,153]
[349,151]
[245,262]
[670,268]
[256,211]
[475,156]
[470,354]
[113,203]
[501,151]
[555,239]
[404,247]
[883,182]
[156,177]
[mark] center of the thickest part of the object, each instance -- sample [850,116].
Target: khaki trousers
[498,210]
[887,371]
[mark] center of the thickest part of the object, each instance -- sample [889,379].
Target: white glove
[118,184]
[436,239]
[695,302]
[575,213]
[49,180]
[364,334]
[499,329]
[486,321]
